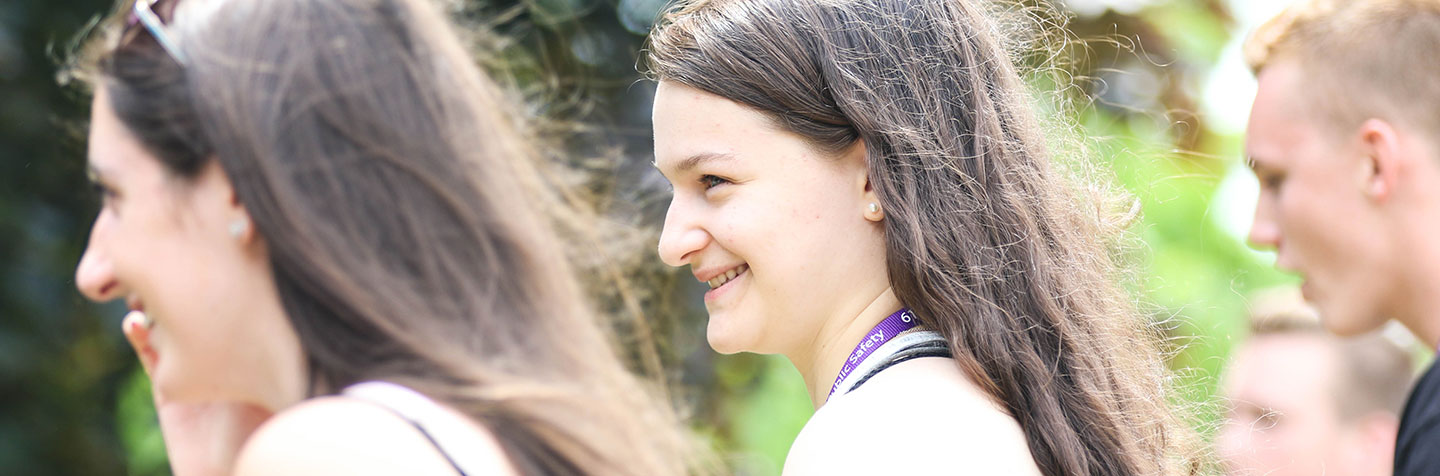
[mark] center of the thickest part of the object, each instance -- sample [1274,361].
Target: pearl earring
[874,207]
[140,319]
[239,227]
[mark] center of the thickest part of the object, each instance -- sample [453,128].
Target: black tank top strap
[447,435]
[929,348]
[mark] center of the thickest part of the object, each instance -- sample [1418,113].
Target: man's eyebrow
[1255,165]
[691,162]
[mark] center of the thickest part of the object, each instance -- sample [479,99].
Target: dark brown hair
[404,213]
[985,240]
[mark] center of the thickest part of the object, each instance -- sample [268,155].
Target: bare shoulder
[336,435]
[915,417]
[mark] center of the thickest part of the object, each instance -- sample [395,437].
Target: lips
[726,276]
[134,304]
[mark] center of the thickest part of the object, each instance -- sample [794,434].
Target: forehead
[1282,126]
[112,150]
[690,122]
[1282,370]
[108,138]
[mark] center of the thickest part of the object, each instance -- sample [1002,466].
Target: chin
[724,339]
[172,386]
[722,348]
[723,344]
[1347,322]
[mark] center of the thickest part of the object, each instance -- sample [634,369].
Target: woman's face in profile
[760,203]
[163,244]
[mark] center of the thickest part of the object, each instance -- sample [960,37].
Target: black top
[935,348]
[1417,449]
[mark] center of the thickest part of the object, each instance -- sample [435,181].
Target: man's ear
[1384,159]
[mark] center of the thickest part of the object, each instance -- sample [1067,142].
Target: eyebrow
[691,162]
[94,173]
[1255,165]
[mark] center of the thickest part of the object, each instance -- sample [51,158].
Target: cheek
[782,217]
[1307,218]
[190,287]
[801,236]
[1294,207]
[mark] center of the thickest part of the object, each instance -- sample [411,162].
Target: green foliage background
[72,398]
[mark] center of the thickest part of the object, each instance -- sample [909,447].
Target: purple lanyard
[901,321]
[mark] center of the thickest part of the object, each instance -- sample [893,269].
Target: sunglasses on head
[145,14]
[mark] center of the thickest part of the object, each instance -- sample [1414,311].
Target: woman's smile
[722,283]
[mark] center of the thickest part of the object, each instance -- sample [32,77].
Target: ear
[215,197]
[857,159]
[1383,159]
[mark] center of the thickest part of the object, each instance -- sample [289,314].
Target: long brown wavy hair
[404,212]
[988,241]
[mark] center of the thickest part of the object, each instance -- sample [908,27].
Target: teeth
[727,276]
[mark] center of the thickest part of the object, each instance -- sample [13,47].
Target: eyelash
[105,193]
[710,181]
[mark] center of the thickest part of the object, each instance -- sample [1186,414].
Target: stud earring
[139,319]
[239,227]
[874,207]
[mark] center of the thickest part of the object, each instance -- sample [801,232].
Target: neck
[1416,303]
[1419,309]
[821,361]
[283,367]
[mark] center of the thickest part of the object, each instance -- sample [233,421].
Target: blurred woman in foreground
[329,227]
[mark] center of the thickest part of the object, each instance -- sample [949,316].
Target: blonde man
[1343,139]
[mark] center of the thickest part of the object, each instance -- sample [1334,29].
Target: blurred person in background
[1343,139]
[865,189]
[1303,401]
[333,238]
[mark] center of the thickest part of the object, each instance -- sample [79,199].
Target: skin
[164,247]
[226,366]
[798,221]
[797,218]
[1352,210]
[1284,419]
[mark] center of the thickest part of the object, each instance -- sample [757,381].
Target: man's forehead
[1301,355]
[1271,384]
[1273,136]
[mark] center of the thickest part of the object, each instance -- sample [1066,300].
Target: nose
[681,236]
[1264,231]
[95,275]
[1232,443]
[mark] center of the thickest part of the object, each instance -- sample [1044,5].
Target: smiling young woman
[330,228]
[863,187]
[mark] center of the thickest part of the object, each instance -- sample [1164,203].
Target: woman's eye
[105,193]
[710,181]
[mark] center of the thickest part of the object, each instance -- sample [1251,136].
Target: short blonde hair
[1365,58]
[1282,310]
